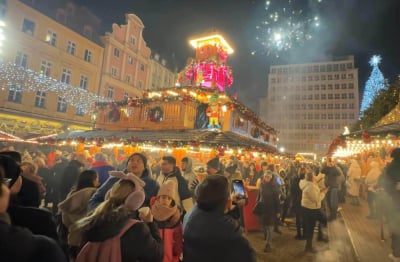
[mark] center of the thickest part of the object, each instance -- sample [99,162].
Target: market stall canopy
[211,137]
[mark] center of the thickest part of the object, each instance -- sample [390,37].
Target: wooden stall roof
[204,136]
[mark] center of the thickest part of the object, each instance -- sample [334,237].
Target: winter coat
[30,194]
[391,183]
[37,220]
[214,237]
[354,178]
[372,176]
[150,189]
[190,176]
[69,177]
[20,245]
[183,197]
[73,208]
[333,176]
[295,190]
[102,169]
[140,243]
[311,195]
[271,203]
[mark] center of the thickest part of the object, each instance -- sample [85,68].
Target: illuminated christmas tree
[375,83]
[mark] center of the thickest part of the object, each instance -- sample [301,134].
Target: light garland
[31,81]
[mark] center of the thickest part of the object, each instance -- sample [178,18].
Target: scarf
[162,213]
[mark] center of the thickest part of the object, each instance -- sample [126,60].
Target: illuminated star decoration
[287,24]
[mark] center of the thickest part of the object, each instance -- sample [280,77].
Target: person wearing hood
[170,172]
[214,167]
[371,181]
[74,207]
[102,167]
[113,233]
[354,181]
[137,165]
[311,200]
[333,180]
[17,243]
[167,216]
[188,173]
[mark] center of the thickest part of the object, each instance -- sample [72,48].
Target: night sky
[358,27]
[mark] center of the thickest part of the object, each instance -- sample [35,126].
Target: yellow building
[160,75]
[44,44]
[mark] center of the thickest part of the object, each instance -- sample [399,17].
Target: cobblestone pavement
[286,248]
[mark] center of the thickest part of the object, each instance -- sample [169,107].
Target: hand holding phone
[238,188]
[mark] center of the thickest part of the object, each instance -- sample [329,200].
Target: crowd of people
[74,207]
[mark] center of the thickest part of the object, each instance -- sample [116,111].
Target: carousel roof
[203,136]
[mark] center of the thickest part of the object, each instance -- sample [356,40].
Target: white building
[310,104]
[160,75]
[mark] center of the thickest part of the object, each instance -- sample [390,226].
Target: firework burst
[287,24]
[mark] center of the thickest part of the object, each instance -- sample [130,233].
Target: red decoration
[366,137]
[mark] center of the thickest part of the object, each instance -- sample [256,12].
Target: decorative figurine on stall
[212,112]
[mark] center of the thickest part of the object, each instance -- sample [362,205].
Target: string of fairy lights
[17,78]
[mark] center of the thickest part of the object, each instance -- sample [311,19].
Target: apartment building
[160,75]
[56,40]
[310,104]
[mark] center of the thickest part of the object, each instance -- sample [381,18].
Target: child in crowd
[167,215]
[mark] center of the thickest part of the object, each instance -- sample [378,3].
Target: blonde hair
[113,208]
[39,161]
[29,167]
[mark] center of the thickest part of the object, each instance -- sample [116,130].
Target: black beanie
[12,154]
[144,159]
[214,163]
[212,190]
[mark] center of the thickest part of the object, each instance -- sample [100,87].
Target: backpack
[106,251]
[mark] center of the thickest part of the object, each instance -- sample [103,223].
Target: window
[15,93]
[140,84]
[316,78]
[40,99]
[335,67]
[28,26]
[330,116]
[128,79]
[83,83]
[316,96]
[343,76]
[316,106]
[316,116]
[110,92]
[337,106]
[130,61]
[351,106]
[323,77]
[51,38]
[142,67]
[323,116]
[71,48]
[45,68]
[329,68]
[114,72]
[87,56]
[351,86]
[351,116]
[336,76]
[337,115]
[337,96]
[344,116]
[330,87]
[330,106]
[323,106]
[329,77]
[322,68]
[61,104]
[351,95]
[344,106]
[316,87]
[350,76]
[21,60]
[116,52]
[126,96]
[310,78]
[132,40]
[66,76]
[344,86]
[310,106]
[79,110]
[323,96]
[330,96]
[344,96]
[342,67]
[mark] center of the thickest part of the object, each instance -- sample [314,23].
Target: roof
[203,136]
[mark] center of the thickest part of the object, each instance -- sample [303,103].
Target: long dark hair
[86,179]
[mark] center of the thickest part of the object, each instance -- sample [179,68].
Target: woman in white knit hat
[167,216]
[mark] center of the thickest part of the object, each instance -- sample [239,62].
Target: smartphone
[238,188]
